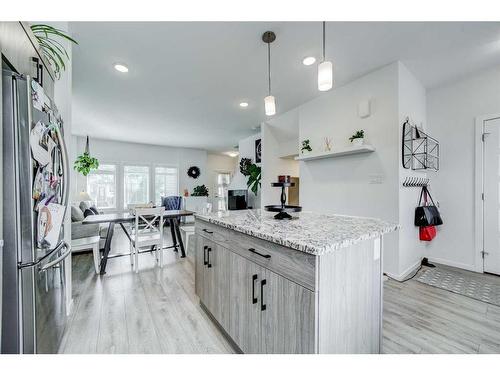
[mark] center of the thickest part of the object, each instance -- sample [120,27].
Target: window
[166,183]
[101,186]
[135,185]
[223,179]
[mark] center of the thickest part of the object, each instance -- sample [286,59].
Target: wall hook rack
[416,182]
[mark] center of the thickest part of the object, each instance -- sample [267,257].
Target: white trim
[478,190]
[403,275]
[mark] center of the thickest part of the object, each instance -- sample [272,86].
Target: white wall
[412,104]
[217,163]
[451,113]
[246,148]
[280,136]
[344,185]
[142,154]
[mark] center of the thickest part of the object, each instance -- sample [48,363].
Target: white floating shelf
[338,152]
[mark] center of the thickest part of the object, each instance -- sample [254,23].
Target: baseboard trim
[406,272]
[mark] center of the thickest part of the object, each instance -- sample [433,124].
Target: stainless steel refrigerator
[35,195]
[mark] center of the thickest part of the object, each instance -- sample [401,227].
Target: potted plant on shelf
[306,146]
[200,191]
[85,163]
[357,138]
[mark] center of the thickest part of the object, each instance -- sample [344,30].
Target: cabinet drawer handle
[207,231]
[209,265]
[205,255]
[254,299]
[252,250]
[262,304]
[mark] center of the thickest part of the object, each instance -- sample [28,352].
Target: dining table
[170,216]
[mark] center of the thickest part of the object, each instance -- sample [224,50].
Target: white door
[492,196]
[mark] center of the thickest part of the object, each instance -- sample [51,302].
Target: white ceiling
[186,79]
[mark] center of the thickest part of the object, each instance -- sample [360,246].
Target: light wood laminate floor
[156,311]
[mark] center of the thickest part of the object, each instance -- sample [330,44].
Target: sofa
[80,230]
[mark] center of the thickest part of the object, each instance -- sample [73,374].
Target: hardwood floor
[156,311]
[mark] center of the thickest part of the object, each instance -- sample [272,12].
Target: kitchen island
[308,285]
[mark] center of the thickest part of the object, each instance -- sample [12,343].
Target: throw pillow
[88,212]
[85,205]
[76,214]
[94,210]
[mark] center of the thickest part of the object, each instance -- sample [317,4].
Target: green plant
[200,191]
[245,163]
[52,49]
[358,134]
[306,146]
[254,177]
[85,163]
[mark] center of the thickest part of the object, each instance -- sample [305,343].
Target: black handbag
[426,215]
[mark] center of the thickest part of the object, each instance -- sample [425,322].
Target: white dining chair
[147,232]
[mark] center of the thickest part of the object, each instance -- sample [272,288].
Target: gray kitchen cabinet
[287,315]
[212,273]
[18,46]
[286,301]
[244,313]
[268,313]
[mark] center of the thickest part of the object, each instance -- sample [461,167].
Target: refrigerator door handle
[64,153]
[38,261]
[63,244]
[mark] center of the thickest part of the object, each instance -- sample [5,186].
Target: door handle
[262,304]
[252,250]
[207,231]
[62,257]
[209,265]
[205,262]
[254,299]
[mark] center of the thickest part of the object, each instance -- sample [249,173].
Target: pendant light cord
[324,25]
[269,66]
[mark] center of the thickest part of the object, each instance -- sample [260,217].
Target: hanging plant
[85,163]
[51,48]
[254,176]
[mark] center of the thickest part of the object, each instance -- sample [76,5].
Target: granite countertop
[312,233]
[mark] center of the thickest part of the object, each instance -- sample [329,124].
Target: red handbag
[427,233]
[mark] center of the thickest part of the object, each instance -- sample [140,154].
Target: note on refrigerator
[50,218]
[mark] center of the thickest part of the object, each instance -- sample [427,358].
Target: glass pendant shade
[325,76]
[270,105]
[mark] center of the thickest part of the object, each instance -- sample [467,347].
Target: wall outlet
[376,179]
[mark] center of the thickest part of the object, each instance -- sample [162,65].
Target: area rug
[466,284]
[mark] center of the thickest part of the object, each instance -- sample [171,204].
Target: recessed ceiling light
[243,104]
[309,60]
[121,68]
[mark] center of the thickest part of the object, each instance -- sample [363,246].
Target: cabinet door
[216,281]
[287,316]
[245,323]
[199,273]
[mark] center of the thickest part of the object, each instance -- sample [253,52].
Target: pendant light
[269,101]
[325,70]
